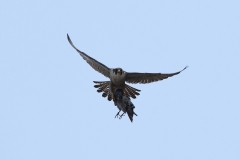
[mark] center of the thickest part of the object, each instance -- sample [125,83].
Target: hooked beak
[119,70]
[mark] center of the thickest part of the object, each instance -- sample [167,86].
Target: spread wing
[148,77]
[101,68]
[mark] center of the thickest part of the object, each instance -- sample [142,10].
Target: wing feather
[133,77]
[101,68]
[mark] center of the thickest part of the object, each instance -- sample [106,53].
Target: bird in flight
[118,78]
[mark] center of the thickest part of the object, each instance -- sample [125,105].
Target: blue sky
[49,108]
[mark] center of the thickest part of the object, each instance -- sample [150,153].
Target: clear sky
[49,108]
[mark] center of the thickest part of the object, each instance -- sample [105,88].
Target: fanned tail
[103,86]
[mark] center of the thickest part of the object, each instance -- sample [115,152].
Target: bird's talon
[117,114]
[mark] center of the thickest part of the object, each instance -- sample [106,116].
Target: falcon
[118,77]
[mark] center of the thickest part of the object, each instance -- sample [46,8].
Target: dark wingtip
[69,40]
[184,69]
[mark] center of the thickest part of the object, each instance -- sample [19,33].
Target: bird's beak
[119,70]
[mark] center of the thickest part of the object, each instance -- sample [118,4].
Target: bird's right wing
[101,68]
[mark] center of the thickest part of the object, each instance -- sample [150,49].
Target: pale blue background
[50,110]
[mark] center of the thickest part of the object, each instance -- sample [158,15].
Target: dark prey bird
[118,77]
[124,104]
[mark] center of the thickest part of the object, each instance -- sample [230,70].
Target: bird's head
[118,71]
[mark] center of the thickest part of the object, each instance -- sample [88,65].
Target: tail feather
[109,97]
[134,90]
[103,86]
[131,92]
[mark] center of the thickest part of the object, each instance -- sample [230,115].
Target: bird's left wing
[101,68]
[148,77]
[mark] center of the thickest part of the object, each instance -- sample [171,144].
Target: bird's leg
[117,114]
[113,98]
[121,115]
